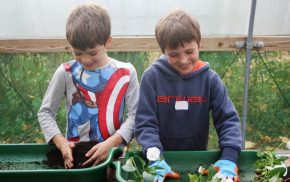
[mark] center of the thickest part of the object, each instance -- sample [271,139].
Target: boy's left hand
[99,152]
[228,168]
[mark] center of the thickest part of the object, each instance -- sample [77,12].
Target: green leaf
[277,171]
[129,167]
[275,178]
[193,178]
[147,177]
[140,163]
[201,178]
[211,172]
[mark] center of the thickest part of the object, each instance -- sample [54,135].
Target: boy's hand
[66,149]
[163,170]
[228,168]
[99,152]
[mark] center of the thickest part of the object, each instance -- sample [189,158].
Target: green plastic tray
[32,155]
[184,162]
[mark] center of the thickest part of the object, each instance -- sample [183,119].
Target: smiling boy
[177,94]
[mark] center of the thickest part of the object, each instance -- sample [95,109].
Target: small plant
[206,175]
[140,169]
[269,167]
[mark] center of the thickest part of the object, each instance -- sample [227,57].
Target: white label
[181,105]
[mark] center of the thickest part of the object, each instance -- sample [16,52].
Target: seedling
[269,167]
[140,169]
[205,175]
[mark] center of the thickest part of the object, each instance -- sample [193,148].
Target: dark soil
[55,160]
[21,165]
[287,177]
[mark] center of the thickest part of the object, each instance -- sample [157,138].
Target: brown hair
[176,28]
[88,25]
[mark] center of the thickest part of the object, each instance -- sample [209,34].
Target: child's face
[92,58]
[183,59]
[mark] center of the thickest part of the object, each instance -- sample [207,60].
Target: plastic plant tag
[153,154]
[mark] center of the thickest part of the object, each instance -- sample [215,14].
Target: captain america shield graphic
[110,110]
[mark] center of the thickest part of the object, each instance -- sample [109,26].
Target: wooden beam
[143,43]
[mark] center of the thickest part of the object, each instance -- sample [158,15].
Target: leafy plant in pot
[140,169]
[270,167]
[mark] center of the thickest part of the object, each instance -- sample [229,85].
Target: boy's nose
[86,58]
[183,59]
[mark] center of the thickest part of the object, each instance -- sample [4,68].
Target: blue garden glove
[227,168]
[163,170]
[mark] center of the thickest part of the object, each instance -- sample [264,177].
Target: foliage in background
[26,75]
[268,120]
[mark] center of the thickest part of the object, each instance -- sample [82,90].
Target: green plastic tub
[23,162]
[185,162]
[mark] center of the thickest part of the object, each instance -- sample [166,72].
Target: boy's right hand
[163,170]
[66,149]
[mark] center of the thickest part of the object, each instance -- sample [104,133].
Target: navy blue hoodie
[173,111]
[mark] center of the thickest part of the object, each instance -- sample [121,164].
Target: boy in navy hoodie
[177,94]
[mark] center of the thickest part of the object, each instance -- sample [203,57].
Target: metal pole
[249,46]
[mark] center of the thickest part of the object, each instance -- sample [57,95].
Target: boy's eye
[189,51]
[173,54]
[93,53]
[77,53]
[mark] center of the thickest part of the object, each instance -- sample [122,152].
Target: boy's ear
[71,50]
[109,42]
[199,45]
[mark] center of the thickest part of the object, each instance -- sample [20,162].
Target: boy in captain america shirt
[97,89]
[177,93]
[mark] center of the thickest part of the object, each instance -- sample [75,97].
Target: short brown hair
[177,28]
[88,25]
